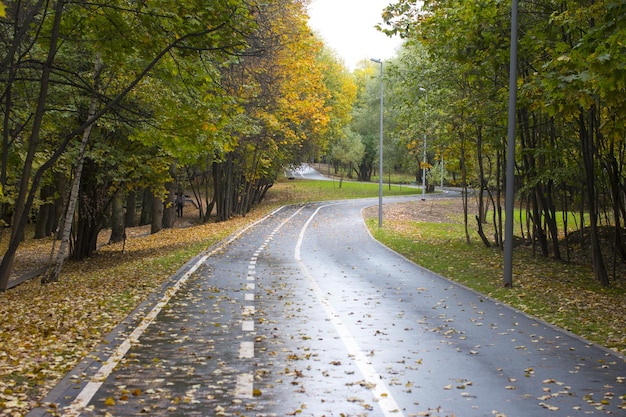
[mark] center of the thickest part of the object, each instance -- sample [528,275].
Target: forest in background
[448,90]
[112,110]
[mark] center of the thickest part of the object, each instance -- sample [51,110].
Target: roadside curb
[84,373]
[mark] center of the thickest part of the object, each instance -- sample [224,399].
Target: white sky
[347,27]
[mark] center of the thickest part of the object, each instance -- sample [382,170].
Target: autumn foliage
[139,103]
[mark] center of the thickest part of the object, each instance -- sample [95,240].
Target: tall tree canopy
[135,95]
[570,133]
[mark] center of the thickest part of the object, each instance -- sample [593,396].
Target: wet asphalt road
[305,314]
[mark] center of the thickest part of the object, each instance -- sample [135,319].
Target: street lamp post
[424,159]
[380,157]
[441,170]
[424,169]
[510,160]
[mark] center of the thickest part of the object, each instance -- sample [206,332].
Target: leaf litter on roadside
[47,330]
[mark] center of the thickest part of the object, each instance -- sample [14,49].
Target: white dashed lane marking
[246,350]
[245,381]
[245,386]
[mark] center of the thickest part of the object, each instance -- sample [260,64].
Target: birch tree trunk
[54,269]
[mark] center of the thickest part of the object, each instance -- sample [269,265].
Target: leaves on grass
[564,294]
[47,330]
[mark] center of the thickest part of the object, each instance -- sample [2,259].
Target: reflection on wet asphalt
[305,314]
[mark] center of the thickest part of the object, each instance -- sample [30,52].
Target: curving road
[306,171]
[305,314]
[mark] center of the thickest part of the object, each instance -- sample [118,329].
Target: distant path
[306,314]
[305,171]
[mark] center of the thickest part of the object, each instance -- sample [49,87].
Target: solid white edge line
[381,392]
[87,393]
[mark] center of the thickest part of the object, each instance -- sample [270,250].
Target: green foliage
[349,149]
[570,110]
[342,87]
[191,84]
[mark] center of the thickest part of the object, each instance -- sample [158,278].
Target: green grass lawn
[564,294]
[298,191]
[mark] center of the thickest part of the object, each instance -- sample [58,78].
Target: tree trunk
[588,150]
[550,216]
[146,207]
[169,209]
[156,214]
[464,195]
[54,270]
[21,207]
[614,173]
[22,23]
[539,232]
[54,223]
[500,180]
[129,218]
[46,212]
[225,193]
[90,212]
[482,211]
[194,185]
[481,233]
[118,231]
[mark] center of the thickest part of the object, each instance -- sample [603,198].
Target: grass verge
[564,294]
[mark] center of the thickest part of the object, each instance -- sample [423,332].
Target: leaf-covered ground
[46,330]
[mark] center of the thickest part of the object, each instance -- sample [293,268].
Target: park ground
[46,330]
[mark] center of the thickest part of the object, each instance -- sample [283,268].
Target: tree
[342,87]
[365,117]
[570,113]
[285,112]
[348,151]
[219,28]
[54,270]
